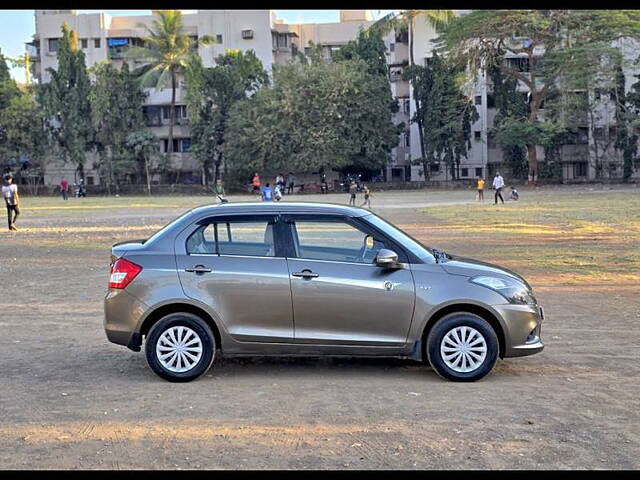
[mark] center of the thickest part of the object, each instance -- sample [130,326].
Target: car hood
[469,267]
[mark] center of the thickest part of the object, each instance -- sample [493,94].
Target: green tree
[65,101]
[143,145]
[211,94]
[406,20]
[116,111]
[510,104]
[169,50]
[8,87]
[314,115]
[22,137]
[551,43]
[446,113]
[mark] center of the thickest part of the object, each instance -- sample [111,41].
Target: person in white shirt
[498,184]
[11,198]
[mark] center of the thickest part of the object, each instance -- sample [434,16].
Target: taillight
[123,272]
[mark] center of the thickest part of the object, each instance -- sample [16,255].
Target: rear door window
[253,237]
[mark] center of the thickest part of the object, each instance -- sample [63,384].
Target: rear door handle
[198,269]
[305,274]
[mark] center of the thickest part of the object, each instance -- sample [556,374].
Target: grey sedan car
[311,279]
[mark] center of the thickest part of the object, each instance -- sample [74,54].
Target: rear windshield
[167,226]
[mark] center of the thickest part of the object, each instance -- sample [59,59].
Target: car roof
[281,207]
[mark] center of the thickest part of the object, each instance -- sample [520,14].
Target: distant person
[12,200]
[291,180]
[353,189]
[514,194]
[267,194]
[480,187]
[367,197]
[255,182]
[218,189]
[80,191]
[498,184]
[279,182]
[64,188]
[277,193]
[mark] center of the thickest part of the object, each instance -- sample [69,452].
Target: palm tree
[438,19]
[168,49]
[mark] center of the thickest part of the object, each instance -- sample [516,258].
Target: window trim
[279,251]
[356,222]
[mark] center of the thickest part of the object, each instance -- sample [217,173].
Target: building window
[491,101]
[477,135]
[491,142]
[152,115]
[407,106]
[85,43]
[478,171]
[53,44]
[90,181]
[464,172]
[186,145]
[392,47]
[407,139]
[434,167]
[96,43]
[247,34]
[180,145]
[478,100]
[598,133]
[580,169]
[179,112]
[219,39]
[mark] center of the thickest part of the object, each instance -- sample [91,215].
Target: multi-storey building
[105,37]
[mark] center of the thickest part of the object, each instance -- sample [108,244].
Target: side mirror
[387,258]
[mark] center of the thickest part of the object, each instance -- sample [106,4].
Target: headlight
[512,290]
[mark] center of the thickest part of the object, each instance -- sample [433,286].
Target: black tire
[443,327]
[196,324]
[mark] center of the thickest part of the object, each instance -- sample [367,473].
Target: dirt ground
[70,399]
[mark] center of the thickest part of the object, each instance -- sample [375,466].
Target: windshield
[417,248]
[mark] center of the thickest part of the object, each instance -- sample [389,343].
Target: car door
[235,265]
[340,297]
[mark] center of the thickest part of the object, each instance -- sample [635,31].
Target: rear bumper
[122,314]
[522,329]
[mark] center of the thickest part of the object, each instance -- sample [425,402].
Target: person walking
[353,188]
[291,180]
[64,188]
[12,200]
[267,194]
[367,197]
[279,182]
[498,184]
[255,181]
[480,189]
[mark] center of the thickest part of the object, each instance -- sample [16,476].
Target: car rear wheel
[462,347]
[180,347]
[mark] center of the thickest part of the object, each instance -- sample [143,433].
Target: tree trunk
[532,157]
[415,99]
[146,169]
[172,114]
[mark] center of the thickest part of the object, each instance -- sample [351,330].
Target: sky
[18,26]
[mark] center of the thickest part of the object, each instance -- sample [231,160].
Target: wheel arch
[167,309]
[465,308]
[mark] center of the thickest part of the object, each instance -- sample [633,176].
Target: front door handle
[198,269]
[305,274]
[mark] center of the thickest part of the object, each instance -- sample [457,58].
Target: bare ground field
[70,399]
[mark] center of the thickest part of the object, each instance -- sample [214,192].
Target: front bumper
[122,314]
[522,329]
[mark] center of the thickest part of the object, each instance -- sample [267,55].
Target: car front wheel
[180,347]
[462,347]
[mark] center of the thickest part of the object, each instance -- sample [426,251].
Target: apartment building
[105,37]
